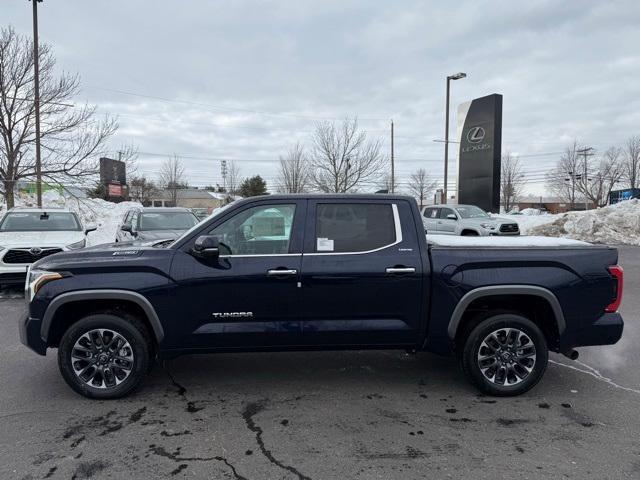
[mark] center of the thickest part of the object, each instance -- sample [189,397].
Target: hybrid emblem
[475,135]
[232,314]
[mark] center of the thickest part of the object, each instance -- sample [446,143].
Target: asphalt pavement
[335,415]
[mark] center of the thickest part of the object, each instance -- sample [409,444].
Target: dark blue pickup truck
[309,272]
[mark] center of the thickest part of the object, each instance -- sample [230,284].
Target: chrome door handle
[278,273]
[397,270]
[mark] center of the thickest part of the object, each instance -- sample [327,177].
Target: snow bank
[105,215]
[516,241]
[615,224]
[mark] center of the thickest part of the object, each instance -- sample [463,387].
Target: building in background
[551,204]
[193,198]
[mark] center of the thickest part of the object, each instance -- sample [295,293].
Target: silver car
[465,220]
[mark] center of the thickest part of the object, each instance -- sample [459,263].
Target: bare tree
[632,162]
[128,153]
[342,158]
[601,178]
[72,138]
[233,179]
[385,183]
[421,186]
[562,180]
[293,176]
[172,177]
[511,181]
[142,190]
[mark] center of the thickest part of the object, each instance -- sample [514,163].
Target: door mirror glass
[207,246]
[90,228]
[452,216]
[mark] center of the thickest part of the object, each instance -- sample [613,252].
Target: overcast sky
[244,80]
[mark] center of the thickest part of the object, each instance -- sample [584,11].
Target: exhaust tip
[571,354]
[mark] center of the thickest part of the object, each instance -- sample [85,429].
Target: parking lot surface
[325,415]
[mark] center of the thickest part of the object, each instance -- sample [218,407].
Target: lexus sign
[480,136]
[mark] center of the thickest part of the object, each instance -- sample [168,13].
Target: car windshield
[39,222]
[166,221]
[471,211]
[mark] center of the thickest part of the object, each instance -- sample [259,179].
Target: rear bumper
[30,334]
[607,330]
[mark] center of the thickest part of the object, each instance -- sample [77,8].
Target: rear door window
[354,227]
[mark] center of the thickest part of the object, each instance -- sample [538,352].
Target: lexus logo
[475,135]
[35,250]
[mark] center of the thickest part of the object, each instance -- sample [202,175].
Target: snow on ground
[515,241]
[615,224]
[105,215]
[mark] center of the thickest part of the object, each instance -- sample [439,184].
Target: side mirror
[452,216]
[207,246]
[90,228]
[126,228]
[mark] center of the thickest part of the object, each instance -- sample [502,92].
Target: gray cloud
[566,69]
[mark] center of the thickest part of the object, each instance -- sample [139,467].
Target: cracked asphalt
[335,415]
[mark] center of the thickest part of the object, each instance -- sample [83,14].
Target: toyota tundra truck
[319,272]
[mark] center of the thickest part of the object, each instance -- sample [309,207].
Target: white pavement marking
[596,374]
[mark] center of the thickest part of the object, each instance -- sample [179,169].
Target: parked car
[200,213]
[146,224]
[274,273]
[465,220]
[29,234]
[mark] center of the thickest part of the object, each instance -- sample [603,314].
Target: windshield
[166,221]
[39,221]
[471,211]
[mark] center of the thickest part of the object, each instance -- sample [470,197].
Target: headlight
[80,244]
[36,279]
[488,226]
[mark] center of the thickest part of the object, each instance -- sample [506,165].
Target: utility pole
[36,90]
[586,152]
[393,176]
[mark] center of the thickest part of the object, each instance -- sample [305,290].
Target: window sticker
[324,245]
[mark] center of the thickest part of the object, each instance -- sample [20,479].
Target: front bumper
[30,334]
[13,277]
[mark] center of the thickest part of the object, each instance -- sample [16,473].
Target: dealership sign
[480,137]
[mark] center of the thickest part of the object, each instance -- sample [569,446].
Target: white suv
[29,234]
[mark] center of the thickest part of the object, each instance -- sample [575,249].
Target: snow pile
[615,224]
[530,211]
[92,211]
[506,241]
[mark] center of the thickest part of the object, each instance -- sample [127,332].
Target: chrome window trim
[396,221]
[263,255]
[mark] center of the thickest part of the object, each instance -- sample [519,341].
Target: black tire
[131,330]
[514,364]
[469,233]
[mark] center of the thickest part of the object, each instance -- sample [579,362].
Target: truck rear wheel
[104,356]
[505,355]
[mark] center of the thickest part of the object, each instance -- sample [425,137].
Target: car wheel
[104,355]
[505,355]
[469,233]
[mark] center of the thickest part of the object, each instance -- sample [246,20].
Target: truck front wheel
[505,355]
[104,356]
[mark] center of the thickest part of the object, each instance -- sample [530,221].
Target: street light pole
[36,90]
[456,76]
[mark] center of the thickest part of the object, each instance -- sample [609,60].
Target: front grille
[509,227]
[28,255]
